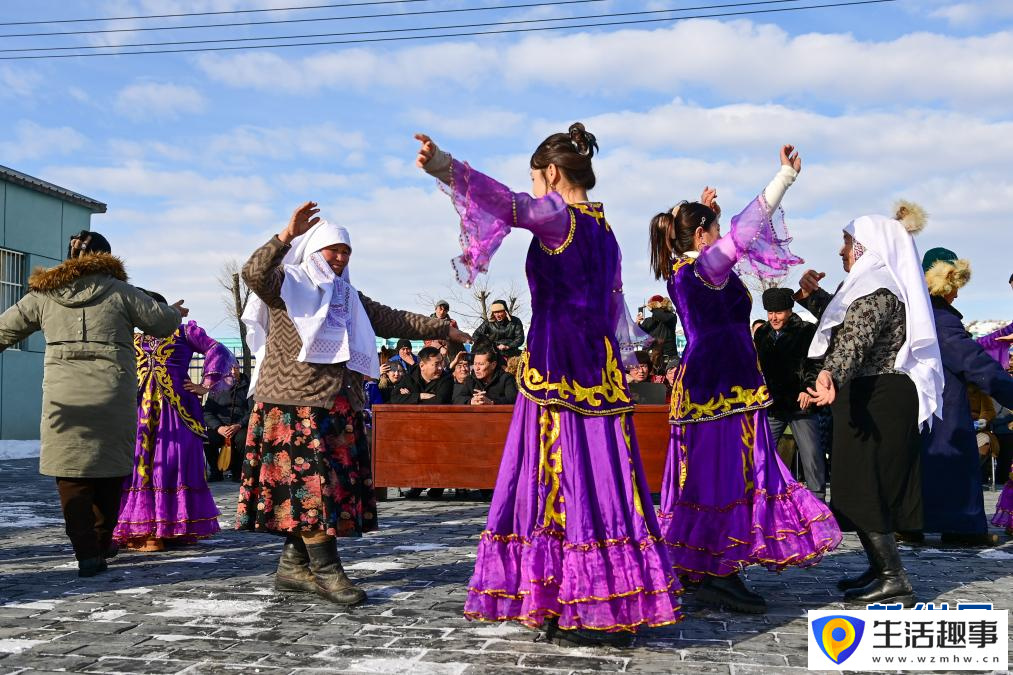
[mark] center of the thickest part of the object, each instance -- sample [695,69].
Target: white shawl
[891,261]
[325,308]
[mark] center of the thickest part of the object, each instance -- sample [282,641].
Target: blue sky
[202,156]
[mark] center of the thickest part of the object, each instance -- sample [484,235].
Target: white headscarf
[891,261]
[324,308]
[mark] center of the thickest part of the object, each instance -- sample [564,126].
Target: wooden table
[459,446]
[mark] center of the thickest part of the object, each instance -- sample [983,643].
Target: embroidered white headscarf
[891,261]
[325,308]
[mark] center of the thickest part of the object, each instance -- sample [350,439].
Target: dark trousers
[805,430]
[213,447]
[91,507]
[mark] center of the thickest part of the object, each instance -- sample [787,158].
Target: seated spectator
[505,332]
[226,416]
[460,369]
[488,384]
[427,384]
[405,356]
[641,372]
[391,374]
[671,370]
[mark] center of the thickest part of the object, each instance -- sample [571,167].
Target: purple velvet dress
[999,351]
[571,531]
[727,500]
[168,495]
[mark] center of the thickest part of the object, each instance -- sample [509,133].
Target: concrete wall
[39,226]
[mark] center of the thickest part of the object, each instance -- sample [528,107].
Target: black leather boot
[584,637]
[866,577]
[730,592]
[294,568]
[89,567]
[891,585]
[329,577]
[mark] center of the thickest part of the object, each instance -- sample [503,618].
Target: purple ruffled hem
[610,586]
[1004,509]
[793,529]
[188,513]
[763,251]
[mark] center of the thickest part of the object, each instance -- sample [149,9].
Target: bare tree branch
[235,298]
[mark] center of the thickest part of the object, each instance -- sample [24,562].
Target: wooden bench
[459,446]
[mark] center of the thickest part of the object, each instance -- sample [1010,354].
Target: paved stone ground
[211,608]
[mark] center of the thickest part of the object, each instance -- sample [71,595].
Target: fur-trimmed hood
[78,281]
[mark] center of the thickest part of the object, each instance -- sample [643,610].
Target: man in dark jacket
[505,332]
[661,325]
[227,416]
[782,344]
[488,384]
[426,385]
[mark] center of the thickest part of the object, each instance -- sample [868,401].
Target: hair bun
[912,216]
[583,140]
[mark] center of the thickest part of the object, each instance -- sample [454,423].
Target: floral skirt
[307,470]
[571,531]
[728,501]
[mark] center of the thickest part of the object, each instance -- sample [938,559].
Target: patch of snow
[497,630]
[375,566]
[37,604]
[12,646]
[24,515]
[995,554]
[140,590]
[213,612]
[406,666]
[174,638]
[201,560]
[107,615]
[420,547]
[19,449]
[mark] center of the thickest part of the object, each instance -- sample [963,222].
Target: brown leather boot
[294,568]
[329,576]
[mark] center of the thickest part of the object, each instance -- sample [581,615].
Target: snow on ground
[26,515]
[213,612]
[19,449]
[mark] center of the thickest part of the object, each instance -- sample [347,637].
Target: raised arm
[488,210]
[154,318]
[218,359]
[996,347]
[757,233]
[965,356]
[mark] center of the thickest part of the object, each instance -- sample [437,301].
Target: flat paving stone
[211,608]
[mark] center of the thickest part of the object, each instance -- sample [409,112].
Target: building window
[12,280]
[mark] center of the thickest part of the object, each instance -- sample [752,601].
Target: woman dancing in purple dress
[727,500]
[168,495]
[571,541]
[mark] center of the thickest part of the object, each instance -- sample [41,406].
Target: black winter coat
[502,389]
[228,407]
[412,386]
[509,333]
[661,325]
[784,362]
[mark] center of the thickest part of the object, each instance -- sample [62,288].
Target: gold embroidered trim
[603,543]
[534,618]
[611,389]
[513,206]
[637,504]
[748,438]
[681,262]
[569,237]
[502,593]
[684,410]
[550,466]
[696,271]
[594,210]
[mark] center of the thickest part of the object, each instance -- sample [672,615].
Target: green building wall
[39,226]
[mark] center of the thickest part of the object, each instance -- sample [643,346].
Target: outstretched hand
[183,311]
[789,157]
[824,392]
[426,152]
[459,336]
[303,218]
[809,284]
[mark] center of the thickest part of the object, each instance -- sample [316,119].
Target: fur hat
[499,306]
[944,272]
[778,299]
[659,302]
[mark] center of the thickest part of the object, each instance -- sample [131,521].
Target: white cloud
[974,13]
[154,100]
[320,140]
[33,141]
[18,82]
[468,124]
[135,179]
[731,59]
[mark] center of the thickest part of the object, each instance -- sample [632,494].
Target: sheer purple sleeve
[996,348]
[488,211]
[218,359]
[758,237]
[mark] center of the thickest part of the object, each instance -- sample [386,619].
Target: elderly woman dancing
[883,375]
[307,472]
